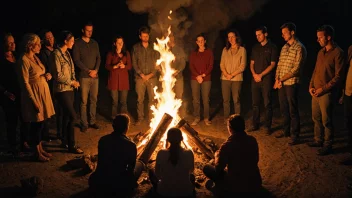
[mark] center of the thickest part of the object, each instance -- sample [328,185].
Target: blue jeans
[204,87]
[89,86]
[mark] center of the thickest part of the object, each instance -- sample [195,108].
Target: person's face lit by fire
[69,43]
[49,39]
[144,37]
[119,43]
[10,44]
[260,36]
[322,39]
[35,48]
[287,34]
[201,42]
[232,38]
[87,31]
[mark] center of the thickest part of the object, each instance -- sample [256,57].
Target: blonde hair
[29,40]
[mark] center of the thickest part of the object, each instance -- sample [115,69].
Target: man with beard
[323,86]
[144,63]
[292,57]
[86,56]
[263,61]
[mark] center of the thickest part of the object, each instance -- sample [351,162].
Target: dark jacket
[240,154]
[116,162]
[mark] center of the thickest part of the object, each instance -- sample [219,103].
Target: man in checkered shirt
[292,56]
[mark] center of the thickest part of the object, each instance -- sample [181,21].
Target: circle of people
[28,83]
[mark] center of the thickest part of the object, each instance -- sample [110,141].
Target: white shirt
[174,180]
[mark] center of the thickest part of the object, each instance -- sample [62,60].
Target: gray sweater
[86,56]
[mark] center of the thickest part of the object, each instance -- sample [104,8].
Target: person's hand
[144,78]
[75,84]
[93,73]
[116,66]
[341,100]
[36,107]
[199,79]
[278,84]
[122,66]
[318,92]
[48,76]
[10,95]
[257,77]
[312,91]
[228,76]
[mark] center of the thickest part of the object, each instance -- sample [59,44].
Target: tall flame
[166,101]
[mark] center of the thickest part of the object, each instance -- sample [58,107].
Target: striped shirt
[291,59]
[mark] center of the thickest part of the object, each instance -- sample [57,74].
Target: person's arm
[222,63]
[190,160]
[296,66]
[77,58]
[210,63]
[26,67]
[243,64]
[339,65]
[128,61]
[108,62]
[221,160]
[132,163]
[98,59]
[57,71]
[158,161]
[135,61]
[192,65]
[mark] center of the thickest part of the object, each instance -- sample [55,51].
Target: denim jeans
[231,87]
[89,86]
[288,99]
[262,90]
[204,87]
[117,96]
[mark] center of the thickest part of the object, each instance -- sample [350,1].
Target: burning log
[193,136]
[149,148]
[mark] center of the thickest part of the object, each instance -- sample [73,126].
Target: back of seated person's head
[121,123]
[174,137]
[236,124]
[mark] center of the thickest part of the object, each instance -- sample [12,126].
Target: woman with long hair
[232,64]
[118,63]
[173,168]
[37,105]
[201,64]
[64,84]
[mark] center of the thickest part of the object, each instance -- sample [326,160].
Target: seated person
[117,171]
[173,168]
[240,155]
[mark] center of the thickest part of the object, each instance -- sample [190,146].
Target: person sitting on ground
[117,170]
[240,155]
[173,169]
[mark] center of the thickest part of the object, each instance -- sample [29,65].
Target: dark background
[113,17]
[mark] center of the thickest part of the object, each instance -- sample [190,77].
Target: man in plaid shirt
[292,57]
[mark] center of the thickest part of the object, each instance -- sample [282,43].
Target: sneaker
[94,126]
[84,129]
[315,144]
[253,128]
[195,122]
[347,161]
[325,150]
[281,135]
[293,141]
[207,122]
[268,131]
[75,150]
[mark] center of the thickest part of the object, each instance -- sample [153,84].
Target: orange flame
[166,101]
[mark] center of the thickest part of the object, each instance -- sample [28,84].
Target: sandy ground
[294,171]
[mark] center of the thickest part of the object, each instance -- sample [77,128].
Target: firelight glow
[166,101]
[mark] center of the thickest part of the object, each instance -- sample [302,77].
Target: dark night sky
[114,17]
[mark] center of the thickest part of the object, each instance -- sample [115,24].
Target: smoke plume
[191,17]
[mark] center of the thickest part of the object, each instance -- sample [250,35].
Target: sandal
[46,154]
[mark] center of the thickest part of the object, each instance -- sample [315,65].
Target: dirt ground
[287,171]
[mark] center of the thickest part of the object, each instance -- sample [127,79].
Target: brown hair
[174,136]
